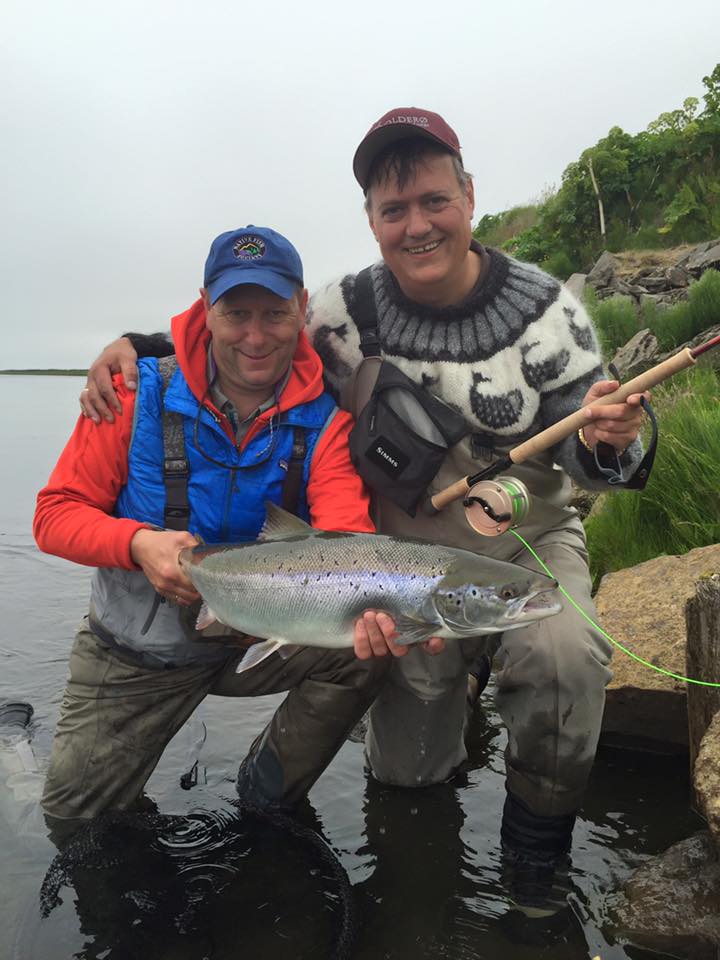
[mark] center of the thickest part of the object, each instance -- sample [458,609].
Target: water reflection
[199,885]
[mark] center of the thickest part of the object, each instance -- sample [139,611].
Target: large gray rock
[702,619]
[643,608]
[654,284]
[603,271]
[701,260]
[576,284]
[696,252]
[677,277]
[672,903]
[637,356]
[706,779]
[624,288]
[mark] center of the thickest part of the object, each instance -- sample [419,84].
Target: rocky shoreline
[672,903]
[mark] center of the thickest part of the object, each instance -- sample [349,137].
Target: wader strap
[366,314]
[135,657]
[294,478]
[176,471]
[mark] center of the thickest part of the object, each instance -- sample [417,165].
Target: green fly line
[646,663]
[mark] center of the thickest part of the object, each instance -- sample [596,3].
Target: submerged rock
[672,903]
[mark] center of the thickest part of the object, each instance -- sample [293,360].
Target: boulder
[617,287]
[677,277]
[701,259]
[576,284]
[695,253]
[702,620]
[637,356]
[642,608]
[706,779]
[654,284]
[603,271]
[672,903]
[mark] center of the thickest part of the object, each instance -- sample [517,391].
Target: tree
[712,94]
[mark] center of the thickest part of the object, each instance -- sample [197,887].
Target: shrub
[671,326]
[559,265]
[615,319]
[684,321]
[704,300]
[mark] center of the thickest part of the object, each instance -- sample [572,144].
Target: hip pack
[402,432]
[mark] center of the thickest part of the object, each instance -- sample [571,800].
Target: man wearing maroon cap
[508,348]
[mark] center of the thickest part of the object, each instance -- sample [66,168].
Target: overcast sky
[134,132]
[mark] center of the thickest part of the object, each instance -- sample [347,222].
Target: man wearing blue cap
[238,417]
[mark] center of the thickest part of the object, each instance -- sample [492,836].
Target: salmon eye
[507,593]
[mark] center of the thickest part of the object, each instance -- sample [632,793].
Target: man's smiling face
[424,231]
[254,335]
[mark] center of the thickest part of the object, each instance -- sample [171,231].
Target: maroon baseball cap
[399,124]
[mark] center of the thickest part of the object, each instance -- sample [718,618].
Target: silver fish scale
[309,590]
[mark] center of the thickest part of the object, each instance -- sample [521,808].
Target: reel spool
[493,506]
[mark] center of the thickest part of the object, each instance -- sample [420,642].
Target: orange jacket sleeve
[337,497]
[73,514]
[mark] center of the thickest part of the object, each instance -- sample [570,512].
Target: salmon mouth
[535,606]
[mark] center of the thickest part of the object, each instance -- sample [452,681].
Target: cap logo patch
[249,247]
[415,121]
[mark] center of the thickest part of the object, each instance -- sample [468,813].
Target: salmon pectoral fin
[257,653]
[205,617]
[414,631]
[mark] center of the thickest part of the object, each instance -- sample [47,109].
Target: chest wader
[176,475]
[327,690]
[534,848]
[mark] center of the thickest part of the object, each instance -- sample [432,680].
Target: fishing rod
[493,506]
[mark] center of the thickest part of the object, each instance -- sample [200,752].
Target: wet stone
[672,903]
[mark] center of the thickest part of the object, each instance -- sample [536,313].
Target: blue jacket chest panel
[227,488]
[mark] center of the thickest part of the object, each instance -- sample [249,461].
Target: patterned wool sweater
[517,355]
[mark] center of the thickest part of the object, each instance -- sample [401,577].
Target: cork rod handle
[571,424]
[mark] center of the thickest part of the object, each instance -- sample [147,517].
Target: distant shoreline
[52,372]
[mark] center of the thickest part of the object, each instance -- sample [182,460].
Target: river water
[423,864]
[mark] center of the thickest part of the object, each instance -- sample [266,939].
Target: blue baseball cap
[252,255]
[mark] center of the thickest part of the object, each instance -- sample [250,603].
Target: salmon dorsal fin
[279,524]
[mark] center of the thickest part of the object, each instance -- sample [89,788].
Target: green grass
[680,507]
[616,320]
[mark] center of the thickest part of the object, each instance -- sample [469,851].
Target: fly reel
[493,506]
